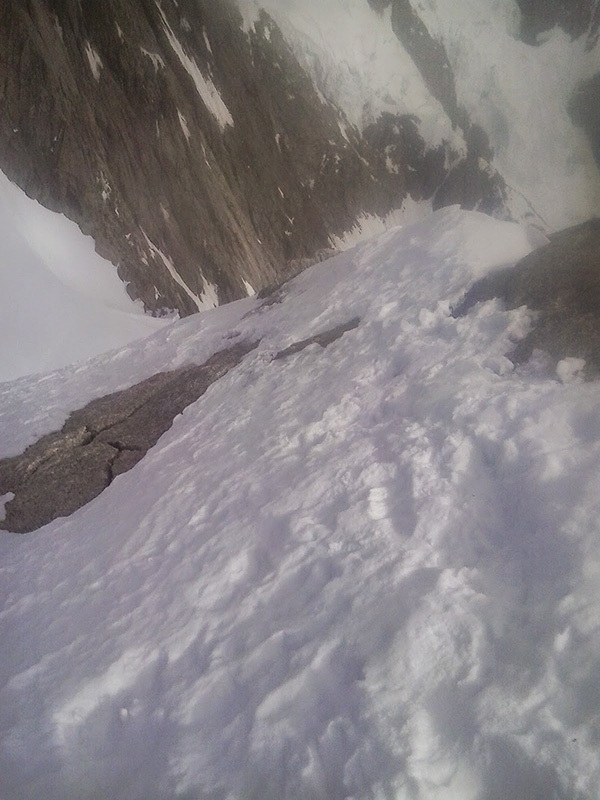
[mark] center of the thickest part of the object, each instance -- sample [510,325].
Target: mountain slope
[59,301]
[212,148]
[365,570]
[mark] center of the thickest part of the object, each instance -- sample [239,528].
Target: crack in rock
[65,470]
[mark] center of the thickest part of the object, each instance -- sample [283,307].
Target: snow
[204,86]
[518,93]
[207,41]
[184,125]
[208,297]
[155,58]
[94,60]
[59,300]
[369,225]
[366,571]
[355,60]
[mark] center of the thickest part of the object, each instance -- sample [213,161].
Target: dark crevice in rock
[561,282]
[67,469]
[323,339]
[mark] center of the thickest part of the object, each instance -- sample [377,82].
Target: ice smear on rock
[364,571]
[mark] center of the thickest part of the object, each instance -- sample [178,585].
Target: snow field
[368,571]
[59,300]
[356,61]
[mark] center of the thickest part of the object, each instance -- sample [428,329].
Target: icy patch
[249,288]
[204,86]
[184,125]
[156,59]
[94,60]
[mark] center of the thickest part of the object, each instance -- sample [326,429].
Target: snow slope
[59,300]
[368,571]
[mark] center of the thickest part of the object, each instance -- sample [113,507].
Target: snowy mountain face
[212,148]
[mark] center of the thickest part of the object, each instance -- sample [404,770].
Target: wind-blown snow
[59,300]
[369,571]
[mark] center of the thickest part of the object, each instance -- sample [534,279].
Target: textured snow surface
[369,571]
[59,300]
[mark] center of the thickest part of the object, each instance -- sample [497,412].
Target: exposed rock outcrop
[322,339]
[427,53]
[63,471]
[200,158]
[561,282]
[467,179]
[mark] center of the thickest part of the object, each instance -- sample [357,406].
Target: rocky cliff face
[576,17]
[198,151]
